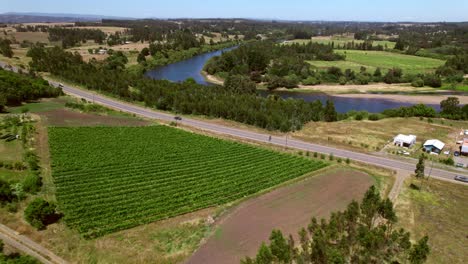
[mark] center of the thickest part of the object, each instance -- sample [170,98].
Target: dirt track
[289,208]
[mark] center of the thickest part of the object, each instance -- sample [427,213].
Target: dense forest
[17,88]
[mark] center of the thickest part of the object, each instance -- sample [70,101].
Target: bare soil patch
[289,208]
[65,117]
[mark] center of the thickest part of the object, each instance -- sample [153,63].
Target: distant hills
[14,17]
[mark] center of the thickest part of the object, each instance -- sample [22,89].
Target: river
[192,68]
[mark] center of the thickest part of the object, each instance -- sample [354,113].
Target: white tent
[404,140]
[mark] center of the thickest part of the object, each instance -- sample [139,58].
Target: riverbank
[411,99]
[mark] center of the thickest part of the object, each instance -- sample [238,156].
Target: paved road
[406,166]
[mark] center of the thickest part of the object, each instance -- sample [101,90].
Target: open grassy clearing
[289,208]
[440,212]
[110,179]
[374,135]
[385,60]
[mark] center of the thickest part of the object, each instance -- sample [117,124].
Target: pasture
[114,178]
[385,60]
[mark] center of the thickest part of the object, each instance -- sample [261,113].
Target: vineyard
[113,178]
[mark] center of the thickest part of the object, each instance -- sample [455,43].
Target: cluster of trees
[365,45]
[16,88]
[277,65]
[450,109]
[364,233]
[5,48]
[73,36]
[31,28]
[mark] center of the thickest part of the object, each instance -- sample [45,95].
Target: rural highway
[405,166]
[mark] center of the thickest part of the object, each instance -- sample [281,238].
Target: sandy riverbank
[414,99]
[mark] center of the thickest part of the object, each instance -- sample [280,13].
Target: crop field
[385,60]
[113,178]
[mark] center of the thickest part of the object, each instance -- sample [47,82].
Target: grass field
[385,60]
[110,179]
[440,212]
[373,135]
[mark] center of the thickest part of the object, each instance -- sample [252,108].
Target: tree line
[73,36]
[5,48]
[17,88]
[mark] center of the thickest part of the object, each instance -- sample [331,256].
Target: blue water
[191,68]
[182,70]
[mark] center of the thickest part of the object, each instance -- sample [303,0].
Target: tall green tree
[330,114]
[419,172]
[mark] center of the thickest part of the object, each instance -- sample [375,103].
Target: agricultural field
[114,178]
[385,60]
[439,210]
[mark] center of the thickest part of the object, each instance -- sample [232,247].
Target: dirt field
[352,88]
[289,208]
[65,117]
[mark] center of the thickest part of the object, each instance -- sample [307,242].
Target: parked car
[447,152]
[460,165]
[178,118]
[456,153]
[461,178]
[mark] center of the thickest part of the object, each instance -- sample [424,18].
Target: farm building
[404,140]
[464,147]
[434,146]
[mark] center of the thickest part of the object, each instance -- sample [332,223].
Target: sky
[329,10]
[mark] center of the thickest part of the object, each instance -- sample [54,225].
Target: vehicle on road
[60,85]
[177,118]
[461,178]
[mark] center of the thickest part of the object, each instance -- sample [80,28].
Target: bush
[6,194]
[41,213]
[315,154]
[374,117]
[342,80]
[310,81]
[331,157]
[432,80]
[348,161]
[448,161]
[417,82]
[32,183]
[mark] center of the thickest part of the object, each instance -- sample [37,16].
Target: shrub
[315,154]
[448,161]
[374,117]
[331,157]
[432,80]
[342,80]
[417,82]
[41,213]
[6,194]
[310,81]
[32,183]
[322,156]
[348,161]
